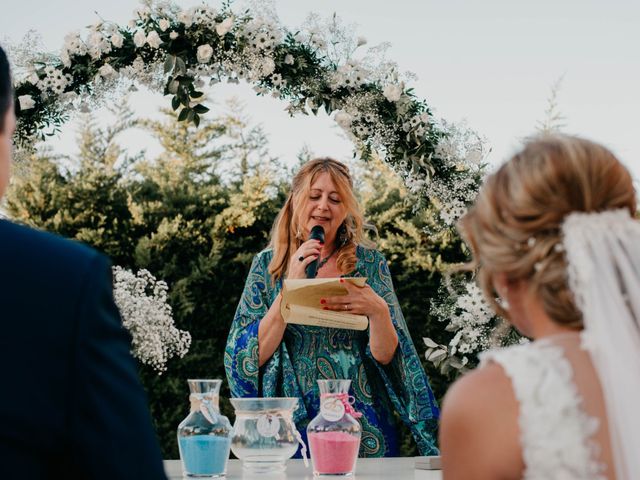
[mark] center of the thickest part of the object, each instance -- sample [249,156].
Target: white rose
[132,23]
[73,44]
[393,92]
[33,78]
[288,59]
[186,18]
[26,102]
[173,35]
[268,66]
[224,27]
[106,71]
[153,39]
[95,39]
[343,119]
[164,24]
[426,118]
[117,40]
[139,39]
[204,53]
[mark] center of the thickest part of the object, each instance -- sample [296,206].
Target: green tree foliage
[417,253]
[195,216]
[175,215]
[86,198]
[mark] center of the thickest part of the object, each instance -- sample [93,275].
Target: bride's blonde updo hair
[287,234]
[514,227]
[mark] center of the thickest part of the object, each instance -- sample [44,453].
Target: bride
[558,255]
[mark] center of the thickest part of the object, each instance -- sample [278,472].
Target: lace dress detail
[555,432]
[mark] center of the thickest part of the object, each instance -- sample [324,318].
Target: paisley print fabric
[307,354]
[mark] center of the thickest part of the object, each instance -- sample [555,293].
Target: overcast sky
[491,62]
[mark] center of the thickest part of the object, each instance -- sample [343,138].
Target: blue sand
[204,454]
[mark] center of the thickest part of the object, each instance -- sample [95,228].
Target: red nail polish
[325,308]
[342,280]
[323,301]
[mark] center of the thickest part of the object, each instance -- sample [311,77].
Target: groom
[71,404]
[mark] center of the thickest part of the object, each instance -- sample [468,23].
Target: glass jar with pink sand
[334,434]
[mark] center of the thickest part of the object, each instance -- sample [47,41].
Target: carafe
[204,437]
[334,434]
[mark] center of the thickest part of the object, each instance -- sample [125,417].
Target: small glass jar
[204,437]
[264,434]
[334,434]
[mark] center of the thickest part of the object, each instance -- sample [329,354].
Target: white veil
[603,253]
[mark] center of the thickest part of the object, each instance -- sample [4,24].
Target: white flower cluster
[73,45]
[461,147]
[405,133]
[452,210]
[140,39]
[142,301]
[314,37]
[475,309]
[470,316]
[393,91]
[360,120]
[54,80]
[418,124]
[202,15]
[98,44]
[462,152]
[262,35]
[351,75]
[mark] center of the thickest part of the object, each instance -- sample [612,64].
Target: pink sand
[333,452]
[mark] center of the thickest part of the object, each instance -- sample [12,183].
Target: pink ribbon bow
[347,400]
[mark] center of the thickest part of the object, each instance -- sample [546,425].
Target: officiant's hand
[383,338]
[303,256]
[358,300]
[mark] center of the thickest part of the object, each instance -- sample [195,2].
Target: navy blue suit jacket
[71,403]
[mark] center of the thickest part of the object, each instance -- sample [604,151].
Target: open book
[301,303]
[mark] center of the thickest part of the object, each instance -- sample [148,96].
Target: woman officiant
[267,357]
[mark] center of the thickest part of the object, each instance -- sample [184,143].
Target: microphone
[317,233]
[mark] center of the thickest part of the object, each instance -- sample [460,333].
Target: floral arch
[178,51]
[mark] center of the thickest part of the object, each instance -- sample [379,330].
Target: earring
[343,235]
[502,298]
[503,303]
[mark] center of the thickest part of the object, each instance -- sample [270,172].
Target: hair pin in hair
[537,266]
[531,242]
[558,247]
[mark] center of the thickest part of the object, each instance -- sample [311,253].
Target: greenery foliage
[321,66]
[197,226]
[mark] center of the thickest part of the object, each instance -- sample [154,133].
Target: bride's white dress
[562,420]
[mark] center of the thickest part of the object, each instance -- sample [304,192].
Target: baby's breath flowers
[470,317]
[324,65]
[142,301]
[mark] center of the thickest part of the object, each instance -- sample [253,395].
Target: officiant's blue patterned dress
[307,354]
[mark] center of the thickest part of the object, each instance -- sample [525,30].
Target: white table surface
[397,468]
